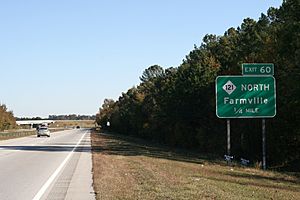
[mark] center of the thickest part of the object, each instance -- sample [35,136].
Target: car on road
[43,131]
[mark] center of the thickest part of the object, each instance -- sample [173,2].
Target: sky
[67,56]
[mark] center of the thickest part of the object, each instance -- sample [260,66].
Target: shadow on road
[57,147]
[46,148]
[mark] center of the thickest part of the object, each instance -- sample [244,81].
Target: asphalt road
[59,167]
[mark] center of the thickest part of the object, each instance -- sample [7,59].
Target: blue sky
[65,57]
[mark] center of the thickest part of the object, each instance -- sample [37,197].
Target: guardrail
[16,134]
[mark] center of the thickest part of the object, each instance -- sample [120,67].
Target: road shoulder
[81,186]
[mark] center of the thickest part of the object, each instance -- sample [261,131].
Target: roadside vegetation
[72,124]
[9,129]
[72,117]
[7,119]
[176,106]
[130,168]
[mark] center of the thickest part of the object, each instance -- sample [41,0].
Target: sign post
[260,69]
[250,96]
[264,161]
[228,137]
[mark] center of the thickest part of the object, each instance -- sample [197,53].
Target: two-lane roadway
[59,167]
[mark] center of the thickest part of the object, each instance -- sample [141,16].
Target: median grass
[128,168]
[73,123]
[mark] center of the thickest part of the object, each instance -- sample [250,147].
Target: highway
[59,167]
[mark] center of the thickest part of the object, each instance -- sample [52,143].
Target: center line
[53,176]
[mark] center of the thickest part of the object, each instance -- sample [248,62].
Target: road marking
[53,176]
[8,149]
[39,143]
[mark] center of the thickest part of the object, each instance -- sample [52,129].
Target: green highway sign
[258,69]
[245,96]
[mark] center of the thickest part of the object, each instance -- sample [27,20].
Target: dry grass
[73,123]
[126,168]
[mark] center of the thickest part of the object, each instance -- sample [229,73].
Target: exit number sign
[258,69]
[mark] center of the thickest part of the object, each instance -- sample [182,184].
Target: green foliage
[176,106]
[7,120]
[68,117]
[151,73]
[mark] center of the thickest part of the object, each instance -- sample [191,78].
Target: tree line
[72,117]
[60,117]
[176,105]
[7,119]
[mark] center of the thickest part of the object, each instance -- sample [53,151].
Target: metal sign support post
[228,137]
[240,97]
[264,162]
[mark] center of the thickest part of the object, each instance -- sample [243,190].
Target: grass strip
[126,168]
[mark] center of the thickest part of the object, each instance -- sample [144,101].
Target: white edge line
[53,176]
